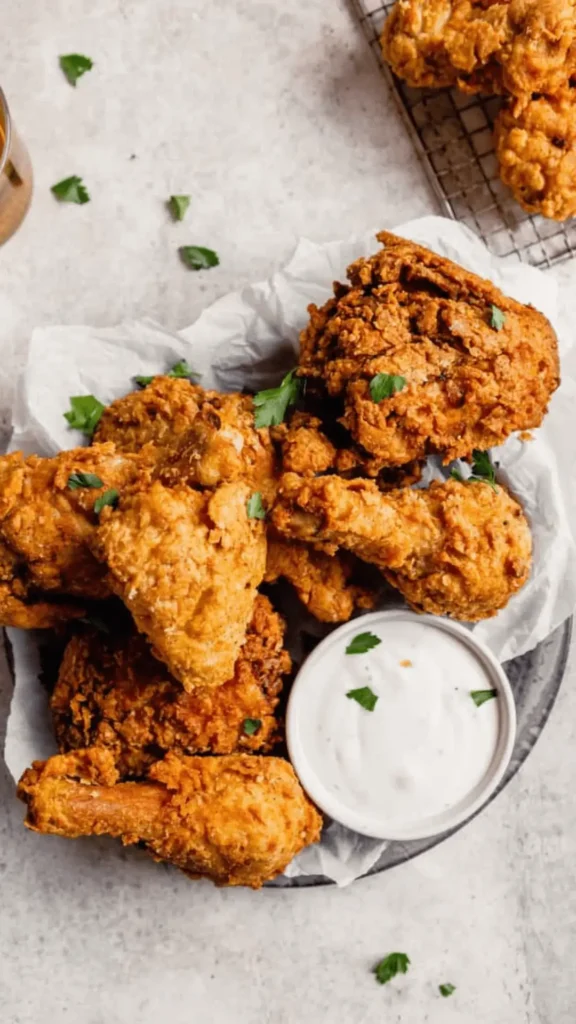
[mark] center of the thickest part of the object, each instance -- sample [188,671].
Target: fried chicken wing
[236,819]
[112,692]
[186,564]
[46,521]
[458,549]
[322,582]
[466,382]
[514,46]
[536,150]
[155,415]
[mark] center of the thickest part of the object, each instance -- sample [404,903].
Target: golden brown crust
[304,446]
[411,313]
[112,692]
[237,819]
[156,415]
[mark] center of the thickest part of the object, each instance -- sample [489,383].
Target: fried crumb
[525,435]
[406,663]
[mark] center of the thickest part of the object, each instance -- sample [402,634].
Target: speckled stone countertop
[275,118]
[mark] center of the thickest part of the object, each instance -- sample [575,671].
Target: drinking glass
[15,175]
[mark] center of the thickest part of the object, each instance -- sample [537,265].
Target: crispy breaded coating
[536,150]
[322,581]
[112,692]
[155,415]
[458,549]
[468,382]
[304,446]
[45,529]
[186,564]
[222,445]
[237,819]
[514,46]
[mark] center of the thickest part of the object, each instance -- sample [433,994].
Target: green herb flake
[78,480]
[497,318]
[362,643]
[254,507]
[180,371]
[390,966]
[84,413]
[178,206]
[481,696]
[196,257]
[447,989]
[71,190]
[74,65]
[384,385]
[108,498]
[364,696]
[457,475]
[250,726]
[272,405]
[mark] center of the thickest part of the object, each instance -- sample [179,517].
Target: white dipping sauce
[424,749]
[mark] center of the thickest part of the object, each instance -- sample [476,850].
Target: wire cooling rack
[452,133]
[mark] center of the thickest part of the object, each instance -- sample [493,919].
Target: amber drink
[15,176]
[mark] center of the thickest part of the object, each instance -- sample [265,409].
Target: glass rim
[5,114]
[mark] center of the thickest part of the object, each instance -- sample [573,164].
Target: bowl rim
[452,817]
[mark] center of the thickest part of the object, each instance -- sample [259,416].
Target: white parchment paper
[247,339]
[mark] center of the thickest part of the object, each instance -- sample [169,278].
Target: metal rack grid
[452,134]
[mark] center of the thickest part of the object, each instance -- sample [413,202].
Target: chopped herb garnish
[108,498]
[390,966]
[481,696]
[272,404]
[84,414]
[251,726]
[447,989]
[178,206]
[483,470]
[71,190]
[196,257]
[362,643]
[254,507]
[457,475]
[364,696]
[77,480]
[384,385]
[180,370]
[74,65]
[497,318]
[96,622]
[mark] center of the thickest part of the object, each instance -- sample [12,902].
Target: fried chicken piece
[418,316]
[186,564]
[536,149]
[155,415]
[237,819]
[513,46]
[322,582]
[45,529]
[223,445]
[458,549]
[305,448]
[112,692]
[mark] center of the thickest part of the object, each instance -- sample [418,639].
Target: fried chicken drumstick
[112,692]
[463,380]
[237,819]
[456,549]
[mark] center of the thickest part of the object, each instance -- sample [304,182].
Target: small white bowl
[342,810]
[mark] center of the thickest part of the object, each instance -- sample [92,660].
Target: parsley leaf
[254,507]
[384,385]
[364,697]
[272,404]
[390,966]
[108,498]
[77,480]
[74,65]
[71,190]
[481,696]
[196,257]
[483,471]
[497,318]
[180,370]
[178,206]
[362,643]
[251,726]
[447,989]
[457,475]
[84,414]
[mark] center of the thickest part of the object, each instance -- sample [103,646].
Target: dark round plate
[535,679]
